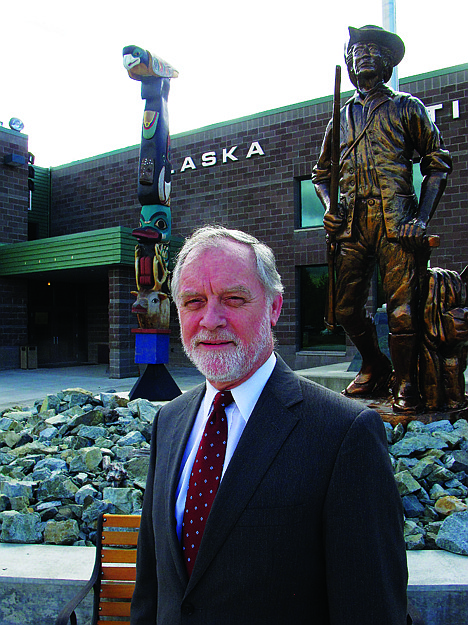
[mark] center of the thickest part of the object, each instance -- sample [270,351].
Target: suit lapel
[181,426]
[266,431]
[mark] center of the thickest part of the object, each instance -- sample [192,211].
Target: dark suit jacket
[306,526]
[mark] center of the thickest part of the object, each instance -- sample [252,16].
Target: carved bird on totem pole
[140,63]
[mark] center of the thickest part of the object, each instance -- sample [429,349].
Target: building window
[313,294]
[417,176]
[310,207]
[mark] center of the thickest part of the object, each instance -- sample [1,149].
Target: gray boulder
[20,527]
[453,533]
[144,409]
[137,469]
[56,487]
[406,483]
[132,438]
[17,488]
[416,442]
[84,492]
[91,513]
[120,498]
[87,459]
[61,532]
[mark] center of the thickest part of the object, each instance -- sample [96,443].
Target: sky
[63,74]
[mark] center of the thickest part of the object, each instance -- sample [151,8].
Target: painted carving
[154,188]
[152,305]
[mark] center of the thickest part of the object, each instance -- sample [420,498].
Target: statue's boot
[404,349]
[373,379]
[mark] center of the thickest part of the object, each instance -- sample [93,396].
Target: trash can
[32,357]
[24,357]
[28,357]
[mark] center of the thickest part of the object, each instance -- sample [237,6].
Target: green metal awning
[95,248]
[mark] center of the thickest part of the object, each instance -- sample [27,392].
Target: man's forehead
[231,267]
[190,288]
[228,249]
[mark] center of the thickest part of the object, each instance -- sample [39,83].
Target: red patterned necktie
[204,479]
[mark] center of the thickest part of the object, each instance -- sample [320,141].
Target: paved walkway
[22,387]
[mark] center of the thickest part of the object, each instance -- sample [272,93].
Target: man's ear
[275,309]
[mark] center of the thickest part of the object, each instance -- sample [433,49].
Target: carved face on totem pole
[152,303]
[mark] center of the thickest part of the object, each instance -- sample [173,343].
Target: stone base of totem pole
[152,350]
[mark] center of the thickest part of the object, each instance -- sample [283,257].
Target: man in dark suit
[306,526]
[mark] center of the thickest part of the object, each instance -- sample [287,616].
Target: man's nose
[213,316]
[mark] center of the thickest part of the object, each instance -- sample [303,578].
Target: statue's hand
[412,234]
[332,223]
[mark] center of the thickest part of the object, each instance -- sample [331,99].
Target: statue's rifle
[330,320]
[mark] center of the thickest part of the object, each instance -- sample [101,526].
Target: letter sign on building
[229,154]
[208,159]
[188,164]
[255,148]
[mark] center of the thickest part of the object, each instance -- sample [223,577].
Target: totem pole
[153,235]
[379,220]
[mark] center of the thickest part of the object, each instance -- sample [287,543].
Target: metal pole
[389,23]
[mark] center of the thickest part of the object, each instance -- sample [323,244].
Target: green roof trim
[109,246]
[291,107]
[435,73]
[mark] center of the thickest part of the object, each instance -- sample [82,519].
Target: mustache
[205,336]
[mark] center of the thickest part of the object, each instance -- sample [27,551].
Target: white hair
[214,236]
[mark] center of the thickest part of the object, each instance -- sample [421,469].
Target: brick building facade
[253,174]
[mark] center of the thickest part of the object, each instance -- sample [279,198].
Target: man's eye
[235,300]
[193,303]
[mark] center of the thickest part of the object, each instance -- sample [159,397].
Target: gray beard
[229,365]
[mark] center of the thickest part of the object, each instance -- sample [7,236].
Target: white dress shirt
[245,397]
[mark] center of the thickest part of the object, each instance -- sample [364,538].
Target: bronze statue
[380,219]
[444,344]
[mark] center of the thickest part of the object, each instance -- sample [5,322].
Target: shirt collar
[246,394]
[379,89]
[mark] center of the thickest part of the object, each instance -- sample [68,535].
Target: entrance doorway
[57,315]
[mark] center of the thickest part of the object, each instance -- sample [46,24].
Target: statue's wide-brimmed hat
[380,36]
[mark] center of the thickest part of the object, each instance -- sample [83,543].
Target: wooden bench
[113,577]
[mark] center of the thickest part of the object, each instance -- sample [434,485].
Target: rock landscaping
[73,456]
[68,459]
[431,471]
